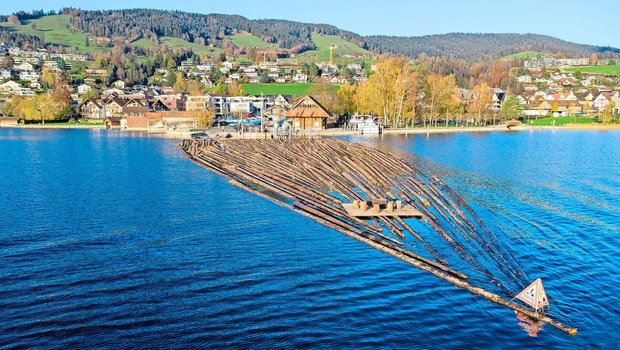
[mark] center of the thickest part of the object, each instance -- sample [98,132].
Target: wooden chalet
[307,113]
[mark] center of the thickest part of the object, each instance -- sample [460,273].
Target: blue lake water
[113,240]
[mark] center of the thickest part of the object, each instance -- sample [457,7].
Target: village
[545,90]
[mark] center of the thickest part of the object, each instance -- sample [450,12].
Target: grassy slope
[143,43]
[522,55]
[323,42]
[607,70]
[294,89]
[56,30]
[176,43]
[249,40]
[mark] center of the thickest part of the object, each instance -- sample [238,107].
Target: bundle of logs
[320,177]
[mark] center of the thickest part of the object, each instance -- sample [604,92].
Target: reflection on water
[529,325]
[108,241]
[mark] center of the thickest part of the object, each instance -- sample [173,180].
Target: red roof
[307,107]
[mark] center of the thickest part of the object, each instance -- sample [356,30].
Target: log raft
[365,194]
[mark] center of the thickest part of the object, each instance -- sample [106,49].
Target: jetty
[370,196]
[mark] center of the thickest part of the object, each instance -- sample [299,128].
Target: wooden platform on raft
[314,177]
[406,211]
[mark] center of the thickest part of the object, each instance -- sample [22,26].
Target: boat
[366,124]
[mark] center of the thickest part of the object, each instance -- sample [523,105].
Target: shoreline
[178,134]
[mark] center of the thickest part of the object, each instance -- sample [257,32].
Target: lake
[110,239]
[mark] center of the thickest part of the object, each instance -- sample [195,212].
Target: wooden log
[301,170]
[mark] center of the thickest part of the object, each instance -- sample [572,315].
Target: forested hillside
[154,27]
[473,46]
[212,29]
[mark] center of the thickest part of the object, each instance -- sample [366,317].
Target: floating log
[316,177]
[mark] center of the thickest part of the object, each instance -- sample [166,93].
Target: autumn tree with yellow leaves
[203,118]
[480,109]
[440,99]
[390,92]
[48,106]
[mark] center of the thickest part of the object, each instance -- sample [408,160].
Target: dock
[370,196]
[380,208]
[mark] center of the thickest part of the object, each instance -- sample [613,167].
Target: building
[119,84]
[13,88]
[219,105]
[6,74]
[134,108]
[307,113]
[115,123]
[197,103]
[82,89]
[9,121]
[601,101]
[174,102]
[91,108]
[96,72]
[171,120]
[498,99]
[29,76]
[23,67]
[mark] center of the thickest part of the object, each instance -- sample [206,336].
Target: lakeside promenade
[182,134]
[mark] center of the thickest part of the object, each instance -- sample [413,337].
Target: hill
[175,43]
[472,46]
[605,70]
[53,30]
[201,33]
[523,55]
[341,48]
[249,40]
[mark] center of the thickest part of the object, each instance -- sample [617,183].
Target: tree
[511,108]
[171,78]
[47,106]
[37,108]
[235,89]
[326,96]
[13,19]
[346,99]
[219,89]
[90,94]
[480,108]
[440,96]
[194,87]
[203,118]
[606,115]
[587,107]
[593,59]
[391,91]
[265,78]
[180,85]
[555,108]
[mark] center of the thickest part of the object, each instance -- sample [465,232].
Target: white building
[82,89]
[119,84]
[29,76]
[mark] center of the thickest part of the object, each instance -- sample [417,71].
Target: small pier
[380,208]
[373,197]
